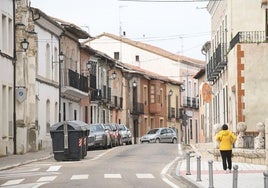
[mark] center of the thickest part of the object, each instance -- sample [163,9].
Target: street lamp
[170,93]
[88,65]
[61,56]
[182,88]
[134,84]
[113,75]
[24,44]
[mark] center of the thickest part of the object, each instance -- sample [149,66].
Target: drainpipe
[14,80]
[60,73]
[60,62]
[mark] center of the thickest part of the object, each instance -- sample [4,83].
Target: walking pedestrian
[226,140]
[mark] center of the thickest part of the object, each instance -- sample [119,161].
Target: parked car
[125,133]
[91,140]
[115,128]
[113,136]
[99,135]
[158,135]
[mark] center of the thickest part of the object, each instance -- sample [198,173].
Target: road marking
[145,176]
[164,172]
[13,182]
[46,178]
[53,168]
[112,176]
[79,177]
[100,155]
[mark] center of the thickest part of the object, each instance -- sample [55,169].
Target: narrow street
[143,165]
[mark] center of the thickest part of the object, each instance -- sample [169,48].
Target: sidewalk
[249,175]
[11,161]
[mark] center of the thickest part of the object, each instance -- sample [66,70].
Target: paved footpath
[249,175]
[12,161]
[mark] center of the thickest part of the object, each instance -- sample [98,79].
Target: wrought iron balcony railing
[75,80]
[248,37]
[138,108]
[190,102]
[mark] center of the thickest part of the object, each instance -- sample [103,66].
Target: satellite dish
[206,92]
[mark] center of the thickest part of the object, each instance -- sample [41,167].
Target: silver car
[125,134]
[98,137]
[158,135]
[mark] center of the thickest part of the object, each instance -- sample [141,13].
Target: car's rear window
[153,131]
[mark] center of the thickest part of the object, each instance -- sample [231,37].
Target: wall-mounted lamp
[134,84]
[88,65]
[61,56]
[113,75]
[182,88]
[24,44]
[170,93]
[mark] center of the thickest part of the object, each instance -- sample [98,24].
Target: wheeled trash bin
[68,138]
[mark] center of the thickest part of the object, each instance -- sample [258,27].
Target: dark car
[98,137]
[160,135]
[125,134]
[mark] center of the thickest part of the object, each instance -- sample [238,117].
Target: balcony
[138,108]
[74,85]
[96,95]
[217,62]
[117,102]
[103,95]
[190,102]
[248,37]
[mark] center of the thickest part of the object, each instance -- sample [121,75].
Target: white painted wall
[47,89]
[6,79]
[44,38]
[148,60]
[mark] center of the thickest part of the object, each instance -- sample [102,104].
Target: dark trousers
[226,156]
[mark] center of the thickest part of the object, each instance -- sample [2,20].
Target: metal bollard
[210,172]
[265,179]
[188,164]
[198,172]
[235,176]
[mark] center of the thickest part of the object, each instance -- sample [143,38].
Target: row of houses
[52,70]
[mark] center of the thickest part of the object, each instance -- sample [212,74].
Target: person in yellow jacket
[226,140]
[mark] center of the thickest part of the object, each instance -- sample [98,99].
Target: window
[116,55]
[145,95]
[56,64]
[48,61]
[161,97]
[137,58]
[10,36]
[4,33]
[152,94]
[47,115]
[64,111]
[75,114]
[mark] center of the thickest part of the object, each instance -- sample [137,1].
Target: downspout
[60,62]
[14,80]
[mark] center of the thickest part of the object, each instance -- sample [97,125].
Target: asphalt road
[131,166]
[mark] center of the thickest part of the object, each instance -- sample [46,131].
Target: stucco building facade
[236,67]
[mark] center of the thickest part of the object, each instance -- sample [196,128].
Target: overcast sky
[177,27]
